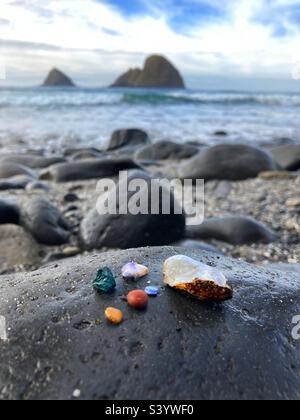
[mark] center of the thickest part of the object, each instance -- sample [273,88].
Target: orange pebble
[115,316]
[137,299]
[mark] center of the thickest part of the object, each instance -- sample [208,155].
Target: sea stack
[158,72]
[56,78]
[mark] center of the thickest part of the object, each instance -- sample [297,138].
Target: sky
[214,43]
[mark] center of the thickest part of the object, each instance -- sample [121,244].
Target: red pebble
[137,299]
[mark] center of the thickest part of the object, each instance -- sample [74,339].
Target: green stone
[104,281]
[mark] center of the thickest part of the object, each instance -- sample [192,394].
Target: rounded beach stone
[10,169]
[9,212]
[235,230]
[44,221]
[126,138]
[137,299]
[134,271]
[165,149]
[87,169]
[33,161]
[287,156]
[115,316]
[14,183]
[227,162]
[129,230]
[151,290]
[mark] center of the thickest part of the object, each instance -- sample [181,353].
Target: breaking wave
[96,98]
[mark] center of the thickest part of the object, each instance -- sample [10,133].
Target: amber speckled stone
[115,316]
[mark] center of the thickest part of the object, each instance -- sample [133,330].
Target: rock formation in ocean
[158,72]
[56,78]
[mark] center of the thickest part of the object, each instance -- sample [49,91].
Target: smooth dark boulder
[235,230]
[227,162]
[57,78]
[88,169]
[87,154]
[59,342]
[33,161]
[131,137]
[221,133]
[69,152]
[165,150]
[288,156]
[128,230]
[10,169]
[11,184]
[45,222]
[9,212]
[158,72]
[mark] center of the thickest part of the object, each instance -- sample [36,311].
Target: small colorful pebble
[115,316]
[151,291]
[134,271]
[104,281]
[137,299]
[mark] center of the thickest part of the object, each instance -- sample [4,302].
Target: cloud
[111,32]
[104,37]
[21,45]
[4,22]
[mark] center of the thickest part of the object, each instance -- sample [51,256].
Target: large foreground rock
[227,162]
[295,268]
[18,248]
[131,137]
[165,150]
[130,230]
[180,348]
[203,246]
[288,156]
[88,169]
[158,72]
[235,230]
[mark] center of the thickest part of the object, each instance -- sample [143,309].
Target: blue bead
[151,291]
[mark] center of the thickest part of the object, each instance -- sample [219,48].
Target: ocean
[54,119]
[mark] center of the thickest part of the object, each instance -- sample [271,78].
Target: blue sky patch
[189,14]
[128,7]
[181,15]
[280,31]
